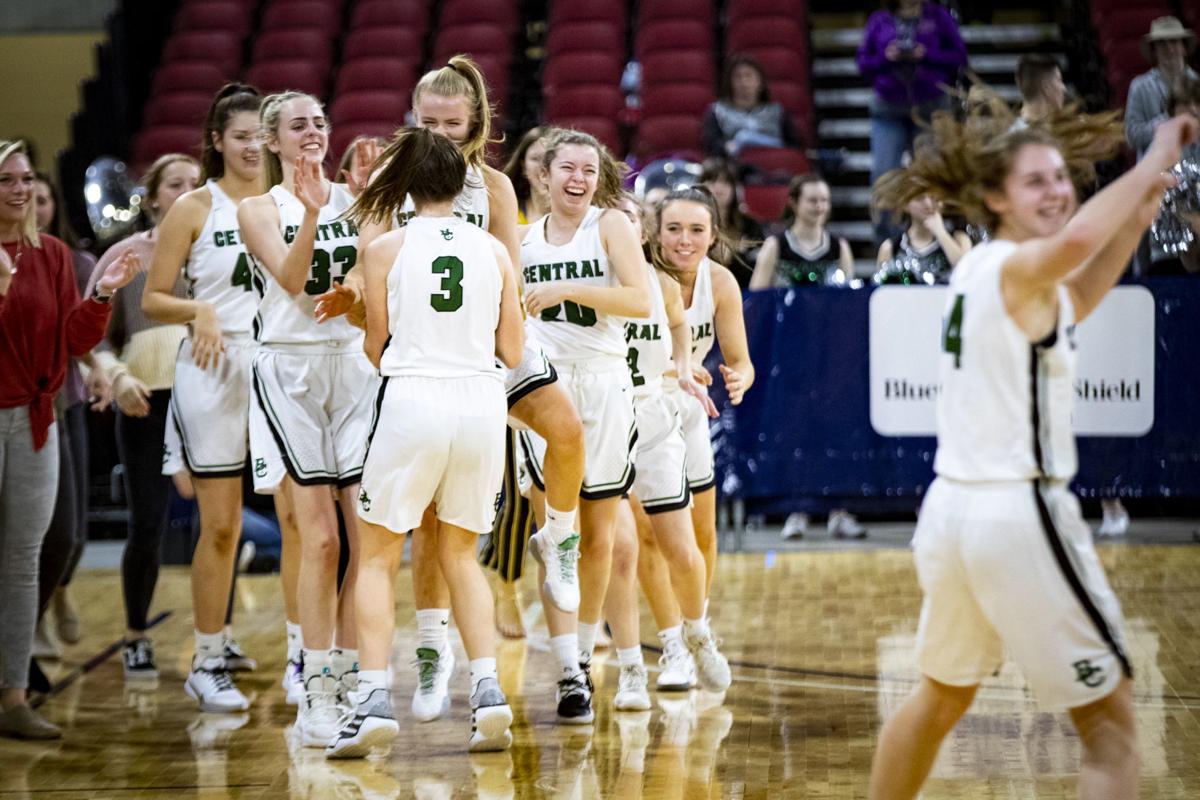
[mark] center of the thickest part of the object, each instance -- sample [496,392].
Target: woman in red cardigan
[42,323]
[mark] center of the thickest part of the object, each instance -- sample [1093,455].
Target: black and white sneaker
[211,685]
[575,700]
[139,660]
[491,719]
[236,660]
[367,724]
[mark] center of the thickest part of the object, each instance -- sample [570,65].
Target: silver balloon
[113,199]
[1171,229]
[905,269]
[668,173]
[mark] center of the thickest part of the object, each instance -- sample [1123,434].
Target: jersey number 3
[451,270]
[952,331]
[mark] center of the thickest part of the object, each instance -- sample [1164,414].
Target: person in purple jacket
[910,52]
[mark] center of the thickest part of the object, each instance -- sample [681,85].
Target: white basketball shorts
[694,422]
[531,374]
[602,394]
[319,402]
[208,422]
[440,441]
[1012,565]
[661,482]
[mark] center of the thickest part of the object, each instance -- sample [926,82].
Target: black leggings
[68,527]
[147,493]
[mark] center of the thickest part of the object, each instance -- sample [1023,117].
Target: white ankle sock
[587,639]
[566,650]
[316,662]
[629,655]
[343,661]
[433,628]
[481,668]
[294,641]
[371,679]
[559,524]
[209,645]
[671,634]
[696,628]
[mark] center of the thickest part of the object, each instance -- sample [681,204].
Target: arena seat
[220,15]
[765,202]
[198,76]
[583,67]
[740,9]
[674,35]
[588,35]
[370,105]
[775,160]
[676,98]
[585,100]
[304,15]
[391,74]
[605,129]
[476,40]
[158,140]
[587,10]
[650,11]
[215,47]
[668,134]
[277,45]
[502,14]
[387,13]
[751,33]
[282,75]
[668,66]
[177,108]
[393,41]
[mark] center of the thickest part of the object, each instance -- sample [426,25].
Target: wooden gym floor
[822,650]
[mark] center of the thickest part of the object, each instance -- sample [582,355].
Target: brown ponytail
[417,162]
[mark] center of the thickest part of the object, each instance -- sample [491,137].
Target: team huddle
[367,345]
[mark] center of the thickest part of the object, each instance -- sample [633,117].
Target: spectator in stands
[911,51]
[744,116]
[1166,46]
[523,167]
[42,323]
[743,234]
[804,253]
[1040,81]
[927,244]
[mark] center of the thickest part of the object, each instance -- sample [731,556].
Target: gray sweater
[1146,107]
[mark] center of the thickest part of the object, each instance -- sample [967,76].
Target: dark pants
[67,534]
[893,130]
[147,492]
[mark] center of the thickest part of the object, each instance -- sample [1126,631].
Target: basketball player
[655,345]
[1004,558]
[208,429]
[442,306]
[582,270]
[313,383]
[453,102]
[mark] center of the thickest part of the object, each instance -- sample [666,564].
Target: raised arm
[259,221]
[737,370]
[510,329]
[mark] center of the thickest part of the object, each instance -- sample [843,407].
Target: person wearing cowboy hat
[1167,47]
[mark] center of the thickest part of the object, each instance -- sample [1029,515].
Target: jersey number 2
[451,298]
[635,375]
[952,331]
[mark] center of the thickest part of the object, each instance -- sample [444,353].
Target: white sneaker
[677,668]
[795,526]
[631,689]
[211,685]
[368,724]
[562,574]
[318,715]
[293,683]
[1114,524]
[843,525]
[491,718]
[431,700]
[712,668]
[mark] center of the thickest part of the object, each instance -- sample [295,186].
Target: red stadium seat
[150,143]
[475,40]
[676,98]
[674,35]
[783,63]
[1127,21]
[603,128]
[384,13]
[669,66]
[572,36]
[503,14]
[674,10]
[217,48]
[370,105]
[391,42]
[587,10]
[304,15]
[219,15]
[196,76]
[792,96]
[740,9]
[296,74]
[776,160]
[278,45]
[668,134]
[177,108]
[765,202]
[751,33]
[572,69]
[1125,55]
[390,74]
[585,100]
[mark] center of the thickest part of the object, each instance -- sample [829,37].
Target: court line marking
[92,663]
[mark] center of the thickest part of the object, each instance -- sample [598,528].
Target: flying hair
[416,162]
[612,171]
[961,162]
[461,77]
[230,99]
[268,115]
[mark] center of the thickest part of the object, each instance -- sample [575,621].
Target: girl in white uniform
[661,488]
[684,232]
[315,386]
[453,102]
[210,405]
[441,308]
[1005,561]
[582,271]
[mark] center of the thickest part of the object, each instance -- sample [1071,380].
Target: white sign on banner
[1114,384]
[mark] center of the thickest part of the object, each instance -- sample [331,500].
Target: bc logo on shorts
[364,500]
[1088,675]
[260,467]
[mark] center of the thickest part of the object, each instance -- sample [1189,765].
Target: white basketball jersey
[218,268]
[700,313]
[283,319]
[1004,409]
[471,203]
[569,331]
[443,302]
[649,342]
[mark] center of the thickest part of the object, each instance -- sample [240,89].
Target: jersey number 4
[451,297]
[241,273]
[952,331]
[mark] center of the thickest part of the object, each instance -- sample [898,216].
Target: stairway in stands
[995,39]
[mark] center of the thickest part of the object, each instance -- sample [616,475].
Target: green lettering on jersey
[587,271]
[543,273]
[241,273]
[952,331]
[337,230]
[572,270]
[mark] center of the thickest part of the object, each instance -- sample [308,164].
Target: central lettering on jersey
[701,331]
[226,238]
[642,332]
[475,219]
[339,229]
[564,271]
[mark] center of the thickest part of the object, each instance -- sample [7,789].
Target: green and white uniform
[700,315]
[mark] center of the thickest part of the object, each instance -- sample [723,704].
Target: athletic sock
[343,661]
[316,662]
[294,641]
[587,640]
[671,634]
[566,650]
[481,668]
[559,524]
[433,628]
[209,645]
[629,655]
[371,679]
[696,628]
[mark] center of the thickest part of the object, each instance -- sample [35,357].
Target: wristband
[100,298]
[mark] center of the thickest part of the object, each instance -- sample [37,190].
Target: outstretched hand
[735,384]
[336,302]
[691,387]
[366,153]
[119,273]
[308,184]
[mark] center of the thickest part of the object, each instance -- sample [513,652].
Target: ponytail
[612,171]
[229,100]
[461,77]
[417,162]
